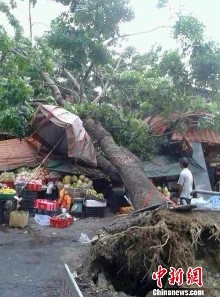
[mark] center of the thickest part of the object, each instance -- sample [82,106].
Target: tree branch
[55,90]
[87,72]
[124,95]
[72,78]
[59,86]
[144,32]
[137,33]
[75,82]
[102,93]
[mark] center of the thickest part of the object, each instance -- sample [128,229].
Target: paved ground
[32,259]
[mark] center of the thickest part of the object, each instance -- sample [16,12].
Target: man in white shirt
[185,182]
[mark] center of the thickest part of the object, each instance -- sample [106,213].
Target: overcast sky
[147,17]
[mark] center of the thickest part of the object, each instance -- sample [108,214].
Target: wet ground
[32,259]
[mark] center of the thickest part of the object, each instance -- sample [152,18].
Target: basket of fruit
[34,185]
[7,193]
[7,178]
[75,192]
[77,185]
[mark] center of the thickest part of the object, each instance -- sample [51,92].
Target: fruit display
[6,191]
[36,177]
[164,191]
[40,174]
[67,180]
[77,181]
[23,175]
[7,176]
[93,194]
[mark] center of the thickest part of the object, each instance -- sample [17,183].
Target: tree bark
[109,169]
[140,190]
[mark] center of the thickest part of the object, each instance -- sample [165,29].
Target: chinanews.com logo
[177,277]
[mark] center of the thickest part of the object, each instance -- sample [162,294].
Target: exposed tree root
[132,247]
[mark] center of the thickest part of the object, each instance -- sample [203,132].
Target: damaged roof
[159,125]
[15,153]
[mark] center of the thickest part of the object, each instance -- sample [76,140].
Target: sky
[147,17]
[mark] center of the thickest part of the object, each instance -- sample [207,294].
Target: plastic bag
[42,220]
[49,188]
[84,238]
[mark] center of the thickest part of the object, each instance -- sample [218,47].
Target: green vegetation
[79,60]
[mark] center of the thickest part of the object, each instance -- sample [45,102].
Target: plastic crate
[94,212]
[45,204]
[34,187]
[95,203]
[28,199]
[19,187]
[52,213]
[57,222]
[7,196]
[8,183]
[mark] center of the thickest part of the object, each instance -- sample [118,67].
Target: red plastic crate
[45,204]
[10,184]
[34,187]
[57,222]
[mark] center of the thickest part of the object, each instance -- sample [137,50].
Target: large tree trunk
[109,169]
[140,190]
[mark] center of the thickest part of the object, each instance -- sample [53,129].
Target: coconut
[86,180]
[90,182]
[67,179]
[74,178]
[82,177]
[79,182]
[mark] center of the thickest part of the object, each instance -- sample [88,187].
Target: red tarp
[58,129]
[17,153]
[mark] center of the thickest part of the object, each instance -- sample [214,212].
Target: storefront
[164,172]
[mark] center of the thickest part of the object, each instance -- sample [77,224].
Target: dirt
[130,249]
[32,259]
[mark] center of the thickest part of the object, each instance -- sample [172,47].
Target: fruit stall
[164,172]
[47,192]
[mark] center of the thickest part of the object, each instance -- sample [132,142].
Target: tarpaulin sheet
[161,166]
[17,153]
[54,126]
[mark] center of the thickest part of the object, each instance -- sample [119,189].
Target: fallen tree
[141,191]
[125,165]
